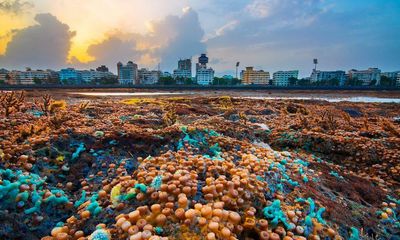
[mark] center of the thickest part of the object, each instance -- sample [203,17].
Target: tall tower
[203,59]
[237,65]
[315,64]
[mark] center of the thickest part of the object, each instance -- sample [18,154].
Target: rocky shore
[197,167]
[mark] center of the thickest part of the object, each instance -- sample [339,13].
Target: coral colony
[195,168]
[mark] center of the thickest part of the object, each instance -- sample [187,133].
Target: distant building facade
[204,75]
[366,76]
[4,77]
[391,75]
[102,68]
[184,69]
[148,76]
[89,76]
[166,74]
[127,74]
[29,76]
[281,78]
[398,80]
[319,76]
[251,76]
[70,76]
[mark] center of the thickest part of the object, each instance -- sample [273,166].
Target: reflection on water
[337,99]
[110,94]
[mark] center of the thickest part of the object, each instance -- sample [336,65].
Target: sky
[271,35]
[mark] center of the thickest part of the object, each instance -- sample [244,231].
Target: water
[337,99]
[360,99]
[116,94]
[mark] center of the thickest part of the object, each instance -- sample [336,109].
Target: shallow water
[361,99]
[335,99]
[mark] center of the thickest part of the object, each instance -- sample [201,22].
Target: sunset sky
[268,34]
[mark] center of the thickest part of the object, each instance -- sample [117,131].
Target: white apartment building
[204,76]
[148,77]
[128,74]
[366,76]
[182,73]
[281,78]
[29,76]
[318,76]
[89,76]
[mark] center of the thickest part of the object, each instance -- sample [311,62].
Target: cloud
[259,8]
[227,27]
[273,34]
[14,6]
[44,45]
[167,41]
[115,49]
[294,32]
[179,37]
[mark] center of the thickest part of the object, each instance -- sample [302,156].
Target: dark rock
[266,112]
[291,108]
[353,112]
[234,117]
[253,120]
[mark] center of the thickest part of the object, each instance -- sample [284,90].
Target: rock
[353,112]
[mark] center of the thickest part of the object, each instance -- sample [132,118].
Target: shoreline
[268,94]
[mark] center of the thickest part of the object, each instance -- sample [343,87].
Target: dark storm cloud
[45,45]
[14,6]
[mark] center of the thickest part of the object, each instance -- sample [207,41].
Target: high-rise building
[281,78]
[251,76]
[70,76]
[184,70]
[366,76]
[148,76]
[320,76]
[204,75]
[127,74]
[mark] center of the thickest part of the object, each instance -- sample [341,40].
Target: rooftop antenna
[315,64]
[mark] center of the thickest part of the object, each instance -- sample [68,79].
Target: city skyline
[267,34]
